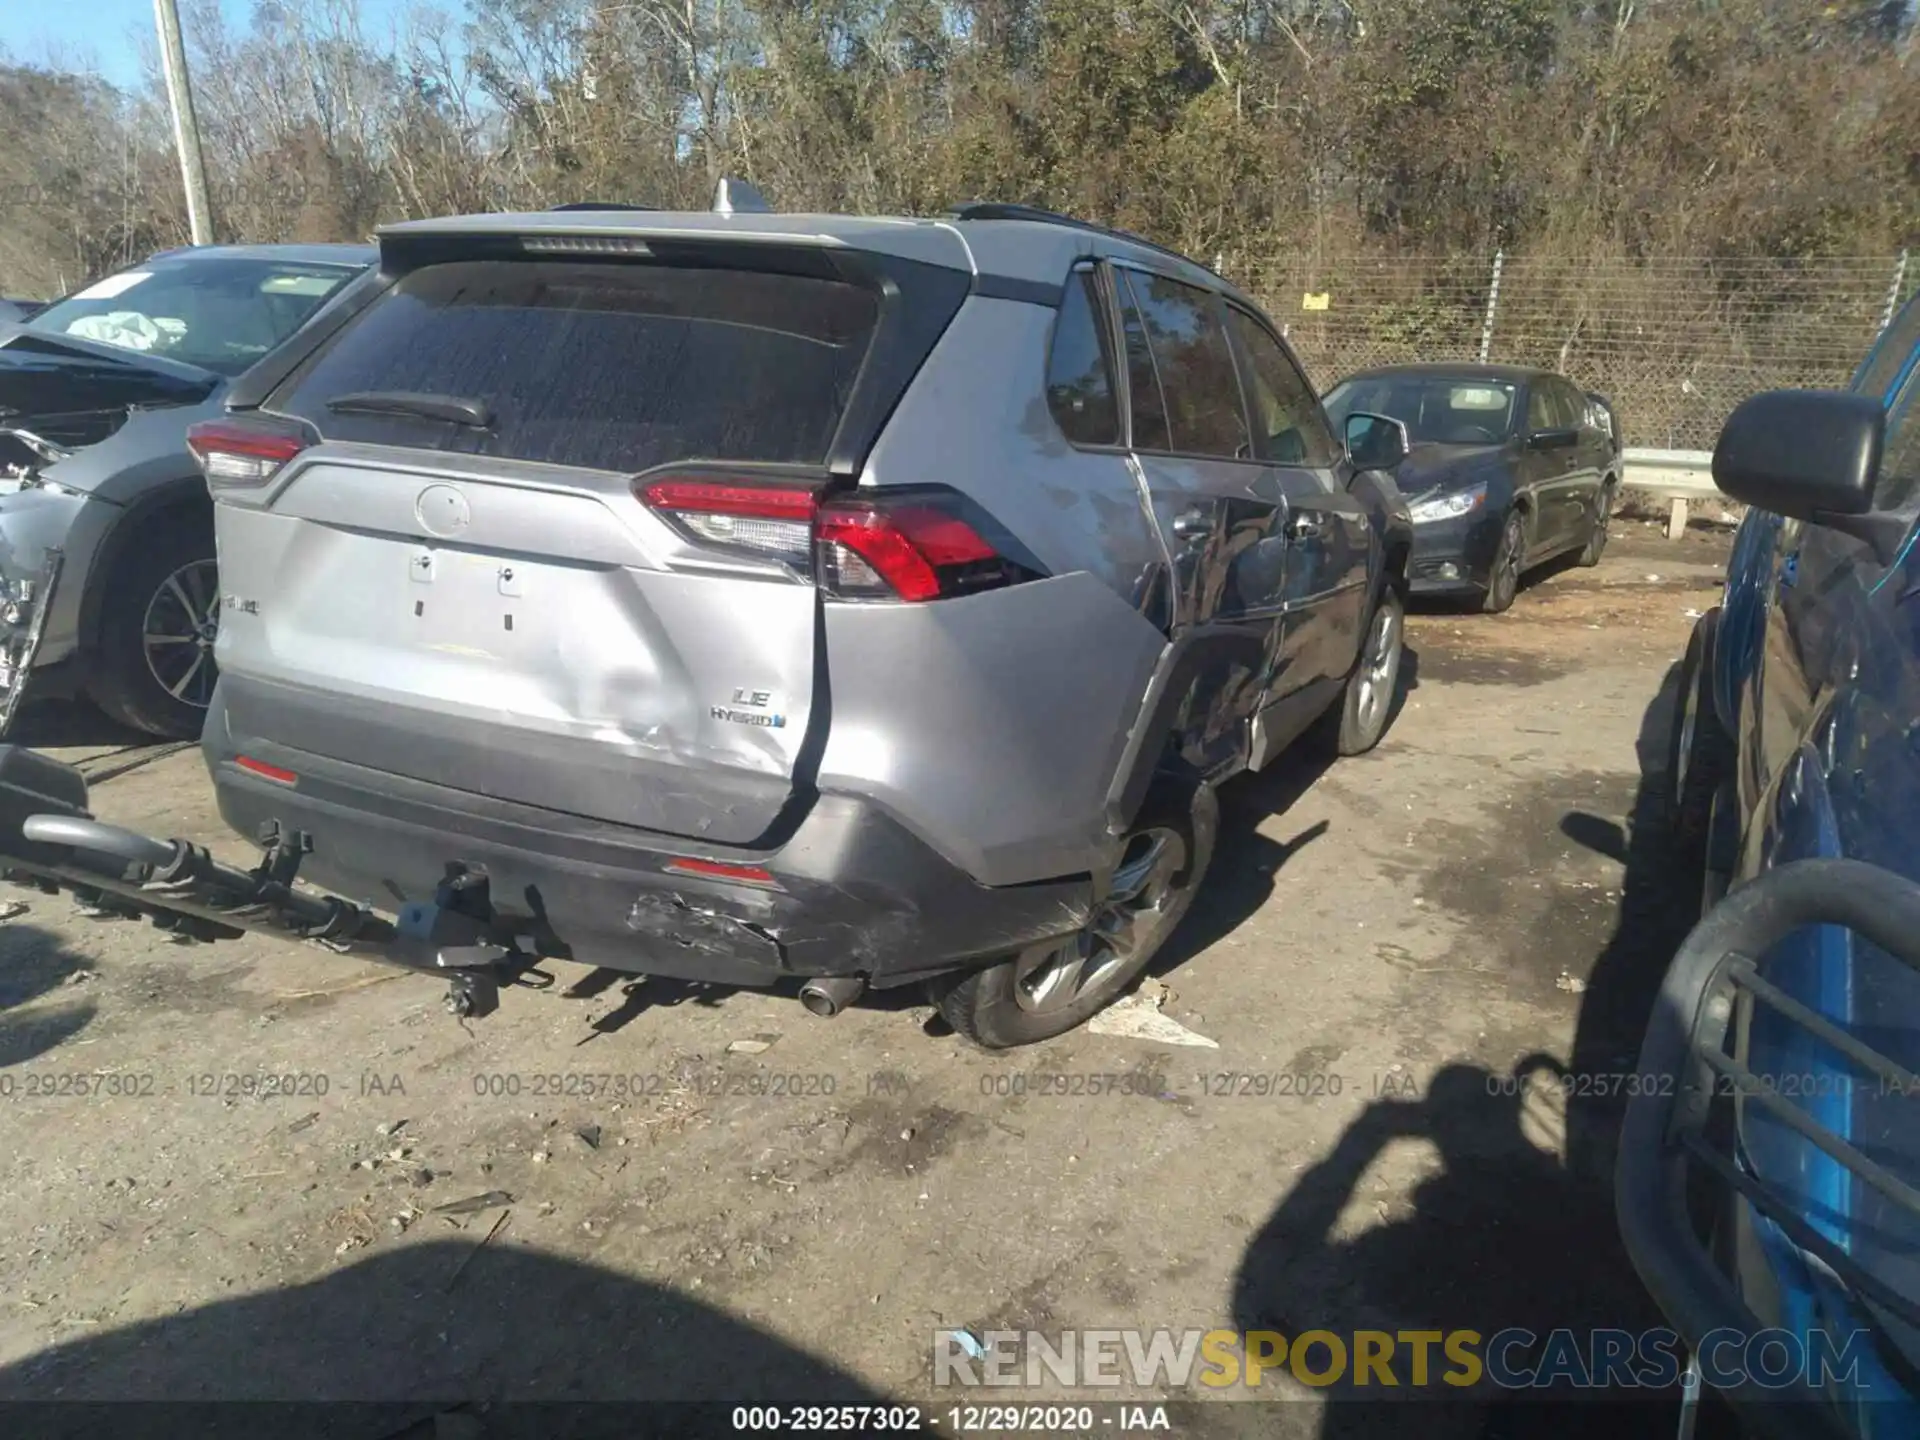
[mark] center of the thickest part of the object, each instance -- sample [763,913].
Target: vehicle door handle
[1302,527]
[1192,524]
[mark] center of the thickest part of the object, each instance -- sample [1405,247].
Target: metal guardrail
[1669,473]
[1675,476]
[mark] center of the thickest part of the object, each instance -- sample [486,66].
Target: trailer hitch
[50,840]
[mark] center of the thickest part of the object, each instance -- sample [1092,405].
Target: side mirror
[1558,439]
[1810,455]
[1376,442]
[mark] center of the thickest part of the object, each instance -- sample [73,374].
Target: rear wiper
[454,409]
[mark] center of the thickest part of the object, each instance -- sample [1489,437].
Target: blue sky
[108,36]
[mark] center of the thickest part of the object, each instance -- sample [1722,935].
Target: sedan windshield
[1433,408]
[219,313]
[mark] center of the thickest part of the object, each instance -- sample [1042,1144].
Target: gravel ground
[716,1195]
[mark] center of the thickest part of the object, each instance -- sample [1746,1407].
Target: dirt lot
[1398,936]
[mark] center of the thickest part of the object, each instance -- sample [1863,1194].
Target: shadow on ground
[35,963]
[1503,1232]
[1659,903]
[51,724]
[445,1325]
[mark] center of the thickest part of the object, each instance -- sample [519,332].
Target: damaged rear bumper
[849,891]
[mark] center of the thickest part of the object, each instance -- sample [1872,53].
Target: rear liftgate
[49,840]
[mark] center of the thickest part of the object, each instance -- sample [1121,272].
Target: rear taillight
[922,544]
[771,522]
[232,452]
[915,550]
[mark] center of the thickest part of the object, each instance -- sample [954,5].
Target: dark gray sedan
[1507,467]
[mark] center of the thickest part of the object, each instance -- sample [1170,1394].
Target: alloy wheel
[178,631]
[1506,575]
[1379,669]
[1136,910]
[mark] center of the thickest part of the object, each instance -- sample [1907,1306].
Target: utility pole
[186,130]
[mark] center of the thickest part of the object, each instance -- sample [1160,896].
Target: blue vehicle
[1769,1170]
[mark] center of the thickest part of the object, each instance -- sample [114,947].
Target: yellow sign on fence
[1311,301]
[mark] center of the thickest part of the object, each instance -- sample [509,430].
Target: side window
[1190,350]
[1143,380]
[1542,413]
[1079,370]
[1890,353]
[1573,406]
[1287,426]
[1900,456]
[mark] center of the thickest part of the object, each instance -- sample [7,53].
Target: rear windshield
[610,366]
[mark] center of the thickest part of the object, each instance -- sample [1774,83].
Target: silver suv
[749,598]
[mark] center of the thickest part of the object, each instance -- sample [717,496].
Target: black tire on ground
[1359,718]
[1700,753]
[1596,545]
[1503,580]
[167,581]
[1005,1004]
[1717,870]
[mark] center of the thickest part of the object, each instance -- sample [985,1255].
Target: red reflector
[264,770]
[748,874]
[731,497]
[905,544]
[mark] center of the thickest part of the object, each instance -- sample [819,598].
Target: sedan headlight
[1448,507]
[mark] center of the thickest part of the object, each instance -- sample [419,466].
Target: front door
[1328,534]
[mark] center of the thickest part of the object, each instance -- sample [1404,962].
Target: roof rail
[1007,210]
[737,197]
[597,205]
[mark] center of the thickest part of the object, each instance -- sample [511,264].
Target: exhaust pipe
[827,995]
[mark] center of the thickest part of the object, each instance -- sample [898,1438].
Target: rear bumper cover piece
[852,892]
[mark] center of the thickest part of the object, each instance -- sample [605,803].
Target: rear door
[1591,455]
[1221,510]
[1548,468]
[1328,534]
[466,588]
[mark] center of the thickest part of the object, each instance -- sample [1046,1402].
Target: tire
[1700,753]
[1360,718]
[1716,870]
[1596,545]
[165,587]
[1011,1003]
[1503,580]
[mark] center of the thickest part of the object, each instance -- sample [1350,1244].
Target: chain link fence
[1674,343]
